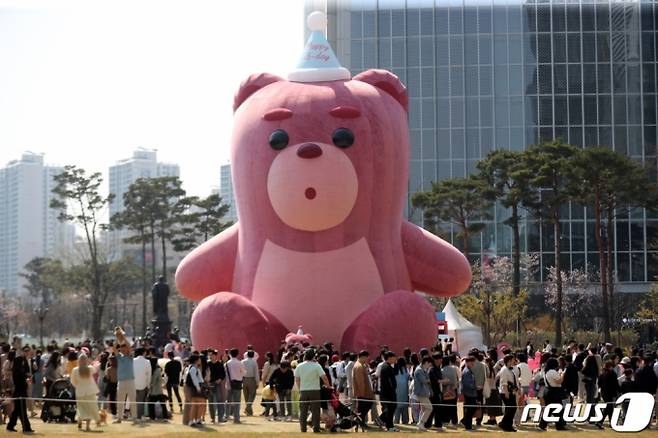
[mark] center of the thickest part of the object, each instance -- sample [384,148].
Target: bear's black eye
[279,139]
[343,137]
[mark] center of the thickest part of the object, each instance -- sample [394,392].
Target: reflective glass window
[397,22]
[605,136]
[457,81]
[456,21]
[443,113]
[485,49]
[443,147]
[635,140]
[602,17]
[369,53]
[543,18]
[456,50]
[429,146]
[369,24]
[560,78]
[589,47]
[648,46]
[427,21]
[470,20]
[514,18]
[472,143]
[576,136]
[573,18]
[427,81]
[646,16]
[441,23]
[603,78]
[442,81]
[486,79]
[500,18]
[619,78]
[561,112]
[530,79]
[398,52]
[458,146]
[516,141]
[605,109]
[356,25]
[486,141]
[603,47]
[634,78]
[384,23]
[559,19]
[544,47]
[472,111]
[413,22]
[620,110]
[590,110]
[413,82]
[500,49]
[650,109]
[634,110]
[515,80]
[545,110]
[545,75]
[515,49]
[573,47]
[591,137]
[502,138]
[588,18]
[559,47]
[427,51]
[471,49]
[413,52]
[385,52]
[356,54]
[589,78]
[502,116]
[484,20]
[486,111]
[575,110]
[457,112]
[442,51]
[516,111]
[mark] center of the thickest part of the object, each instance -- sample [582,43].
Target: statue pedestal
[161,331]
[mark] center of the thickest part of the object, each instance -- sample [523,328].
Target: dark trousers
[19,413]
[509,404]
[469,411]
[480,400]
[110,393]
[363,407]
[388,409]
[450,411]
[153,399]
[609,409]
[437,415]
[173,386]
[309,400]
[554,395]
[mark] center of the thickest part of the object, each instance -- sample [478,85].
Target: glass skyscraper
[504,74]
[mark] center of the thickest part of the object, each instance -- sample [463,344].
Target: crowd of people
[314,384]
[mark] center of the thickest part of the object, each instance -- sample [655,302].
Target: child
[268,396]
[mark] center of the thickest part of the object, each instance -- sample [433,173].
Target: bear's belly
[323,292]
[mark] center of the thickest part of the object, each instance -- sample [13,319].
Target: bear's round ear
[252,84]
[387,81]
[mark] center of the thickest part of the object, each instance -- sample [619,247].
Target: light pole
[41,312]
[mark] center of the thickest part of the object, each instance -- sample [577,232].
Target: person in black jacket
[436,379]
[387,391]
[282,380]
[609,386]
[645,377]
[217,396]
[20,374]
[570,376]
[173,370]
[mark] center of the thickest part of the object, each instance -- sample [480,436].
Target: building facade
[143,164]
[226,193]
[504,74]
[29,228]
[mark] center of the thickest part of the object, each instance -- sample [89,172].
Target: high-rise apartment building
[504,74]
[226,193]
[143,164]
[29,228]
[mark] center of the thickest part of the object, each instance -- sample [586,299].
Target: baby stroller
[346,418]
[60,403]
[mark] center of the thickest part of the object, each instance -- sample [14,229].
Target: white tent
[466,334]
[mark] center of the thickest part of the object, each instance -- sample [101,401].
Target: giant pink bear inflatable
[320,173]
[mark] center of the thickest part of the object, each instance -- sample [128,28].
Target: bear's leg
[399,319]
[227,320]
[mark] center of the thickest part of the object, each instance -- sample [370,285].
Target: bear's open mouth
[310,193]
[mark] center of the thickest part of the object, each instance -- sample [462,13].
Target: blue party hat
[318,62]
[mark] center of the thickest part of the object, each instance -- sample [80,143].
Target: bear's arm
[435,266]
[209,268]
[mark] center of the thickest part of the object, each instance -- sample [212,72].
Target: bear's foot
[398,320]
[226,320]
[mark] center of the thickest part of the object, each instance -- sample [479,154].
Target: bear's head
[328,158]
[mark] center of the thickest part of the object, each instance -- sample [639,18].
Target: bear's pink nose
[309,150]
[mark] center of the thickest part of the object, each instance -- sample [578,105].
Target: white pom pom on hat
[318,62]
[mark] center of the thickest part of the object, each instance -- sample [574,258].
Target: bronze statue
[160,294]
